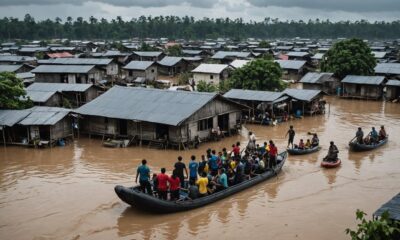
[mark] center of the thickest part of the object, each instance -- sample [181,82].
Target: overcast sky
[335,10]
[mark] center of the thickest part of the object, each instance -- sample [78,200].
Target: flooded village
[89,111]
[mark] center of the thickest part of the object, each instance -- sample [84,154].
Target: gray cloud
[333,5]
[119,3]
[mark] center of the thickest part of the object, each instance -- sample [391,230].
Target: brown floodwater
[67,192]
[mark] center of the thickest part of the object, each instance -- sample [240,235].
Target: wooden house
[389,70]
[163,116]
[68,74]
[19,68]
[14,59]
[226,57]
[305,101]
[56,94]
[364,87]
[393,89]
[210,73]
[33,51]
[320,81]
[37,126]
[147,56]
[144,69]
[292,69]
[172,66]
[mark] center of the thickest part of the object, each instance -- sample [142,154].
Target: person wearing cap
[332,153]
[382,133]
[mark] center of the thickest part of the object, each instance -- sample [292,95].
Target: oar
[352,139]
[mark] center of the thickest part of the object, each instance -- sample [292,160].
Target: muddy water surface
[67,193]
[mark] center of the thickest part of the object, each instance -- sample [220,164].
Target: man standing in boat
[360,136]
[143,172]
[180,167]
[291,134]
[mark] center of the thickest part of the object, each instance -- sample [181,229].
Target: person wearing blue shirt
[374,135]
[213,162]
[223,179]
[193,168]
[143,173]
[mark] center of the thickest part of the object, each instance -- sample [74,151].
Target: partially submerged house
[305,101]
[58,94]
[263,105]
[140,69]
[37,126]
[210,73]
[154,115]
[393,89]
[320,81]
[68,74]
[364,87]
[292,69]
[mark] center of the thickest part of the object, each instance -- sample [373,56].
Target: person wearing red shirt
[236,149]
[162,187]
[273,152]
[174,183]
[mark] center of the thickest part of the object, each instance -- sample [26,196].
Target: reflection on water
[67,193]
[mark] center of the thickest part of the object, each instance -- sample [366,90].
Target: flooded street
[67,192]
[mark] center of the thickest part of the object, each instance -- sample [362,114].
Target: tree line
[187,27]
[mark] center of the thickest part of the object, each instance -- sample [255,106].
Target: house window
[205,124]
[152,70]
[130,73]
[211,76]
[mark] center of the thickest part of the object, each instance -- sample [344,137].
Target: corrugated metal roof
[318,56]
[148,54]
[315,77]
[392,207]
[297,54]
[379,55]
[291,64]
[224,54]
[149,105]
[238,63]
[169,61]
[60,55]
[43,118]
[61,48]
[11,117]
[252,95]
[393,82]
[25,75]
[14,58]
[370,80]
[39,96]
[33,49]
[210,68]
[63,68]
[9,68]
[78,61]
[192,52]
[388,68]
[302,94]
[138,65]
[59,87]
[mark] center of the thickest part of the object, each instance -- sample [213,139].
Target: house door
[223,122]
[123,127]
[162,131]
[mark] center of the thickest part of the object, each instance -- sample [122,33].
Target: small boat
[297,151]
[327,164]
[355,146]
[134,197]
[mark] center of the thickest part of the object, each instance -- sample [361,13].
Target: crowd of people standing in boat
[215,171]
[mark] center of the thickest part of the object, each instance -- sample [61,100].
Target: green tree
[203,86]
[349,57]
[378,229]
[175,50]
[146,47]
[12,92]
[264,44]
[259,74]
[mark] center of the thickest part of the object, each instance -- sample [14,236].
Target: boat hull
[134,197]
[354,146]
[326,164]
[296,151]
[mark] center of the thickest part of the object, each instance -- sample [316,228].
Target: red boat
[327,164]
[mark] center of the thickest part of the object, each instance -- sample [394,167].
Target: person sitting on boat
[174,183]
[374,135]
[202,182]
[239,172]
[360,136]
[193,191]
[308,144]
[143,173]
[382,133]
[332,153]
[261,165]
[162,187]
[301,145]
[222,180]
[315,140]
